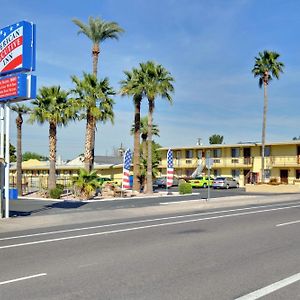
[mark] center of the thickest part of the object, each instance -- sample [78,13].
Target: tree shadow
[59,205]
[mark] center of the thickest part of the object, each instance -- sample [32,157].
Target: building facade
[241,161]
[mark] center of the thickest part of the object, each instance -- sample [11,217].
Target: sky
[209,47]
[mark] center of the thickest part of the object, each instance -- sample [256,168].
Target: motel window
[267,173]
[235,173]
[267,151]
[217,173]
[297,174]
[216,153]
[189,153]
[235,152]
[178,154]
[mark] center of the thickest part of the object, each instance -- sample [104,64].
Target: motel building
[241,161]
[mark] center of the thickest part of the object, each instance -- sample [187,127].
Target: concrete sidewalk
[184,206]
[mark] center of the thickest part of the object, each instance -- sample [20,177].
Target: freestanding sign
[17,48]
[17,56]
[17,88]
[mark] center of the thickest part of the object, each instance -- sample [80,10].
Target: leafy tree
[93,97]
[21,110]
[132,86]
[86,183]
[12,151]
[53,106]
[157,82]
[266,67]
[216,139]
[32,155]
[296,138]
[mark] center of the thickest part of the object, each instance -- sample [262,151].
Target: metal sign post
[17,44]
[209,163]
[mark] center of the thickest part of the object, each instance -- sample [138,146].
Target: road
[227,253]
[36,207]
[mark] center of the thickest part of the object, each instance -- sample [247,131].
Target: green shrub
[60,186]
[56,193]
[185,188]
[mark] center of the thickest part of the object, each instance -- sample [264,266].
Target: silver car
[225,183]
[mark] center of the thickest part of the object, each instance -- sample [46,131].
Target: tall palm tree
[98,30]
[157,83]
[52,105]
[94,98]
[266,67]
[21,110]
[132,86]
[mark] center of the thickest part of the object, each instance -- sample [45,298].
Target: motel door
[284,176]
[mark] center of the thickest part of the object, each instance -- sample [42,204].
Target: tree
[32,155]
[93,97]
[216,139]
[157,82]
[98,30]
[266,67]
[12,151]
[296,138]
[132,86]
[86,183]
[52,105]
[21,110]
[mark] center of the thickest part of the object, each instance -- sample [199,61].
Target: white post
[7,161]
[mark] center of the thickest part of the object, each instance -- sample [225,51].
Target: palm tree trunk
[263,135]
[19,122]
[136,152]
[52,156]
[149,158]
[88,155]
[95,54]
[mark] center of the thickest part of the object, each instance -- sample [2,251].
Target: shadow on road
[61,205]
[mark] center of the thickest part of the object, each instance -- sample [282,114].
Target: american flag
[126,169]
[170,169]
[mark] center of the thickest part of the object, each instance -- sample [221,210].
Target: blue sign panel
[17,48]
[17,88]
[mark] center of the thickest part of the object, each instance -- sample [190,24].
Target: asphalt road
[36,207]
[223,254]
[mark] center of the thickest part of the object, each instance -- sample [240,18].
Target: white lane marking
[270,288]
[288,223]
[180,202]
[144,227]
[136,222]
[23,278]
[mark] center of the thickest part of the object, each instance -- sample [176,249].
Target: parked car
[161,182]
[201,182]
[225,183]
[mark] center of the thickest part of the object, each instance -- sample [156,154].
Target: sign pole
[1,158]
[7,160]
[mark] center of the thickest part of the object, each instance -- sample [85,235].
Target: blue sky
[209,48]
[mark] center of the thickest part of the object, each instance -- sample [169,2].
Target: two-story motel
[241,161]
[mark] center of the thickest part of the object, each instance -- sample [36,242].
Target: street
[227,253]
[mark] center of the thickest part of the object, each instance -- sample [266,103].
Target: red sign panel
[9,87]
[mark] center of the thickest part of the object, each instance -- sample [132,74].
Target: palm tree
[98,30]
[86,183]
[216,139]
[21,110]
[53,106]
[157,83]
[132,86]
[94,98]
[266,67]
